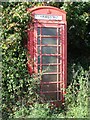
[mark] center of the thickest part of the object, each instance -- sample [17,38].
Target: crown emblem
[49,12]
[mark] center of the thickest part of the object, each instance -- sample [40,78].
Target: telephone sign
[47,47]
[48,17]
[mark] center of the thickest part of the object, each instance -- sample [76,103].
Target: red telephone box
[47,47]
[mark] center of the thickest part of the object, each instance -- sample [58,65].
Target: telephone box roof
[45,7]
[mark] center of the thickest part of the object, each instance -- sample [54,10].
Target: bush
[76,101]
[35,111]
[76,98]
[38,111]
[19,90]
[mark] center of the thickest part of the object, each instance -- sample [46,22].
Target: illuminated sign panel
[47,17]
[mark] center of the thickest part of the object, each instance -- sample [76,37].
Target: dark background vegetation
[19,98]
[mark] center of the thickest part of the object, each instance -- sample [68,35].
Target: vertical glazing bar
[61,60]
[40,52]
[63,63]
[35,51]
[57,67]
[62,87]
[65,48]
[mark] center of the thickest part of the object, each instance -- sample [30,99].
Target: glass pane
[58,31]
[38,59]
[50,68]
[59,59]
[38,40]
[58,40]
[38,50]
[38,68]
[49,78]
[59,51]
[38,31]
[49,87]
[49,59]
[50,96]
[59,68]
[49,50]
[47,41]
[49,31]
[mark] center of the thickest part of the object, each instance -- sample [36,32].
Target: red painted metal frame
[32,45]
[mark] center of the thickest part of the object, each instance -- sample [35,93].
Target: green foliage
[17,87]
[76,101]
[35,111]
[19,90]
[38,111]
[78,21]
[77,94]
